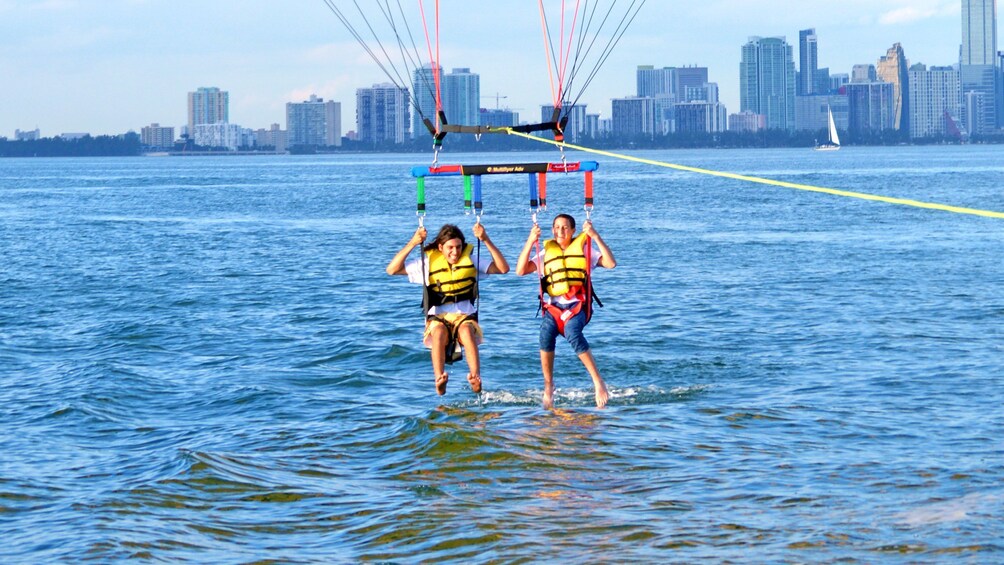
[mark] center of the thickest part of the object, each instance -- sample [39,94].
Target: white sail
[834,142]
[834,138]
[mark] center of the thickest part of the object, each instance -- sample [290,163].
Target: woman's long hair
[446,233]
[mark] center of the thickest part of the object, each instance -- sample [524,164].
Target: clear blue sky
[108,66]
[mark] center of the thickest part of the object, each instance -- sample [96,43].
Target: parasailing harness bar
[536,175]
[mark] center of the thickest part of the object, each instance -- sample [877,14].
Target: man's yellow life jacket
[565,270]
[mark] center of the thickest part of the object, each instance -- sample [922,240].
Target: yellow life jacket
[451,283]
[565,270]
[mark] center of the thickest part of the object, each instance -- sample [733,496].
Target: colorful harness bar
[536,173]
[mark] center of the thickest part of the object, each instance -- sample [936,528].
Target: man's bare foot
[602,396]
[475,381]
[548,398]
[441,381]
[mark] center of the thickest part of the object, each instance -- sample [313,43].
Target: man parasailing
[565,266]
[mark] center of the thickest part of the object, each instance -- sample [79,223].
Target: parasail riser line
[420,206]
[478,204]
[467,194]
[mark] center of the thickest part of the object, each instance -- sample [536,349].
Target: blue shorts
[573,332]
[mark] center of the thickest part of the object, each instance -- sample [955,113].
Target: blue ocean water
[202,359]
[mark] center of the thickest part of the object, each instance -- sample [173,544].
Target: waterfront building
[700,117]
[747,121]
[978,65]
[633,116]
[935,100]
[498,118]
[30,135]
[219,135]
[808,62]
[871,107]
[273,137]
[811,112]
[462,97]
[314,122]
[592,128]
[664,114]
[892,68]
[382,114]
[653,82]
[423,85]
[208,105]
[767,81]
[156,136]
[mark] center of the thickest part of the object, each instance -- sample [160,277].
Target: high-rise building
[863,73]
[893,68]
[498,118]
[747,121]
[700,117]
[978,68]
[462,97]
[208,106]
[808,62]
[459,92]
[423,86]
[314,122]
[934,100]
[707,92]
[812,112]
[633,116]
[273,137]
[767,81]
[871,107]
[656,82]
[690,77]
[154,135]
[382,114]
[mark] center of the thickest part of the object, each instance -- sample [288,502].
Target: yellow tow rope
[845,193]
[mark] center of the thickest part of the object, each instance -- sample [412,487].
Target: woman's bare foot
[441,381]
[602,396]
[548,398]
[475,381]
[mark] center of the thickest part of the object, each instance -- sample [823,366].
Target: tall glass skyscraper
[424,87]
[978,69]
[767,81]
[808,62]
[462,97]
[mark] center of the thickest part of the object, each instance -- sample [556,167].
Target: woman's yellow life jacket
[565,270]
[451,283]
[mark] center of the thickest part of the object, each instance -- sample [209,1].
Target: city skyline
[69,66]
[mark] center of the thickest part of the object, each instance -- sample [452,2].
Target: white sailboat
[834,142]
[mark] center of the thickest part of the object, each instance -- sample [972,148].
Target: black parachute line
[591,21]
[408,58]
[385,30]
